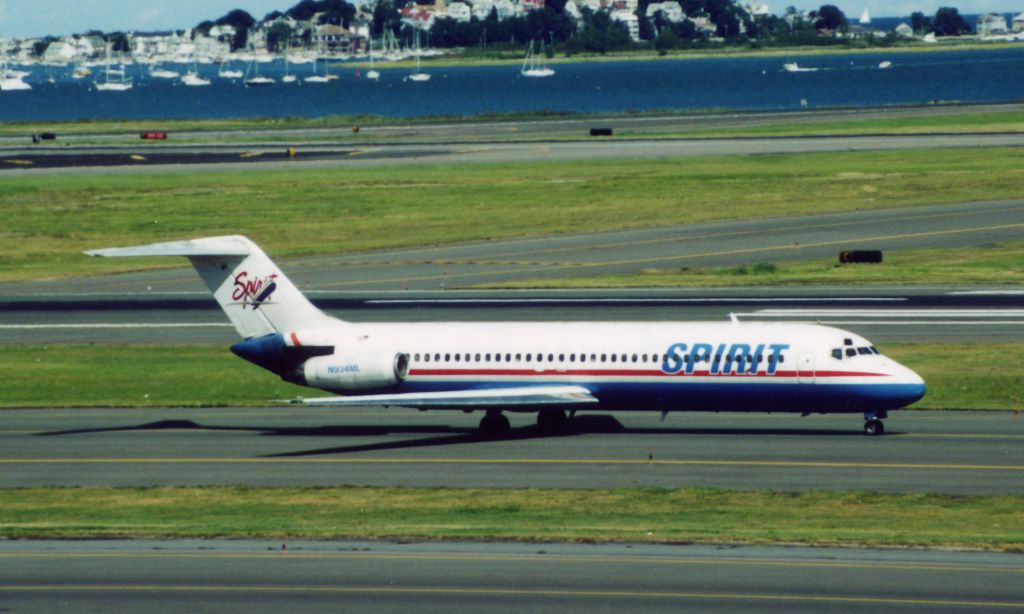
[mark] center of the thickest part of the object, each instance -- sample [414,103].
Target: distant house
[329,38]
[671,11]
[1018,23]
[991,24]
[460,11]
[904,31]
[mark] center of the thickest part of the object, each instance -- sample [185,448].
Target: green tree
[949,22]
[278,36]
[919,23]
[241,21]
[830,18]
[119,42]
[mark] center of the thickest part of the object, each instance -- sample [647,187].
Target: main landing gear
[552,420]
[494,424]
[873,423]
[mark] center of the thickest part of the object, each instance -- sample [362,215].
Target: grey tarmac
[281,575]
[958,453]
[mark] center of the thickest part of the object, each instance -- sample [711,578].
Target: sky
[30,18]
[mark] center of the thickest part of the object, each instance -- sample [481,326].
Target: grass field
[959,376]
[1001,263]
[301,212]
[630,515]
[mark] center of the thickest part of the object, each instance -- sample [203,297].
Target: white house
[991,24]
[671,10]
[1018,23]
[904,31]
[460,11]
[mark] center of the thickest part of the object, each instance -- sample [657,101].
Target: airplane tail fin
[256,296]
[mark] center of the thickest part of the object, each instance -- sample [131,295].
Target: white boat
[794,67]
[253,78]
[228,73]
[13,80]
[885,64]
[318,78]
[288,77]
[865,18]
[114,79]
[159,72]
[531,68]
[81,72]
[419,75]
[13,84]
[192,78]
[372,74]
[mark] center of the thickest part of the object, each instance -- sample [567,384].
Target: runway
[957,453]
[317,576]
[246,576]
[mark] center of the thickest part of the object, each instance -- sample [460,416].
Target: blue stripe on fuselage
[718,396]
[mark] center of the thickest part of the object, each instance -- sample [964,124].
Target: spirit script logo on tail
[252,291]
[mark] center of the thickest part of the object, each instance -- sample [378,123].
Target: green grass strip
[959,376]
[50,220]
[620,515]
[993,264]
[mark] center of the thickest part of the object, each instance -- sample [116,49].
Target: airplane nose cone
[912,388]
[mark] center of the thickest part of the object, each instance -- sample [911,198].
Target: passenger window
[604,358]
[447,357]
[561,358]
[528,357]
[623,358]
[519,357]
[477,358]
[551,358]
[508,357]
[613,357]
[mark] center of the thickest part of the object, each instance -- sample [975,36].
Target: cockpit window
[851,352]
[875,350]
[837,353]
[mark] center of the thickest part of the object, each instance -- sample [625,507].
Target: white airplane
[549,367]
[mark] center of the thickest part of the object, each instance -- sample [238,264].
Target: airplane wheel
[552,421]
[494,425]
[874,427]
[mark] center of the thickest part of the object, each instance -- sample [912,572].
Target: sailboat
[865,17]
[419,75]
[157,71]
[228,73]
[531,68]
[256,80]
[372,74]
[120,81]
[192,78]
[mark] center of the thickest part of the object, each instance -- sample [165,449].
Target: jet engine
[348,372]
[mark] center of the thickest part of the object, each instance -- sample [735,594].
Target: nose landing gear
[873,424]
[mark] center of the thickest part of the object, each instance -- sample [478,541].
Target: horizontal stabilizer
[467,399]
[213,246]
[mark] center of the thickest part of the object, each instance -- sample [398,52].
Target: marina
[326,88]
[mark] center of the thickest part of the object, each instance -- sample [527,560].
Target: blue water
[590,87]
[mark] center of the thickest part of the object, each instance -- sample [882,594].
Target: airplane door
[805,368]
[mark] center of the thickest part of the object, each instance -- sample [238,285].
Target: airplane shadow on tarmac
[448,435]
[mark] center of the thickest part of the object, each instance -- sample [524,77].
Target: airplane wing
[518,397]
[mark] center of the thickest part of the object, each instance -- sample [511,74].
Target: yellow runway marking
[513,592]
[526,558]
[509,461]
